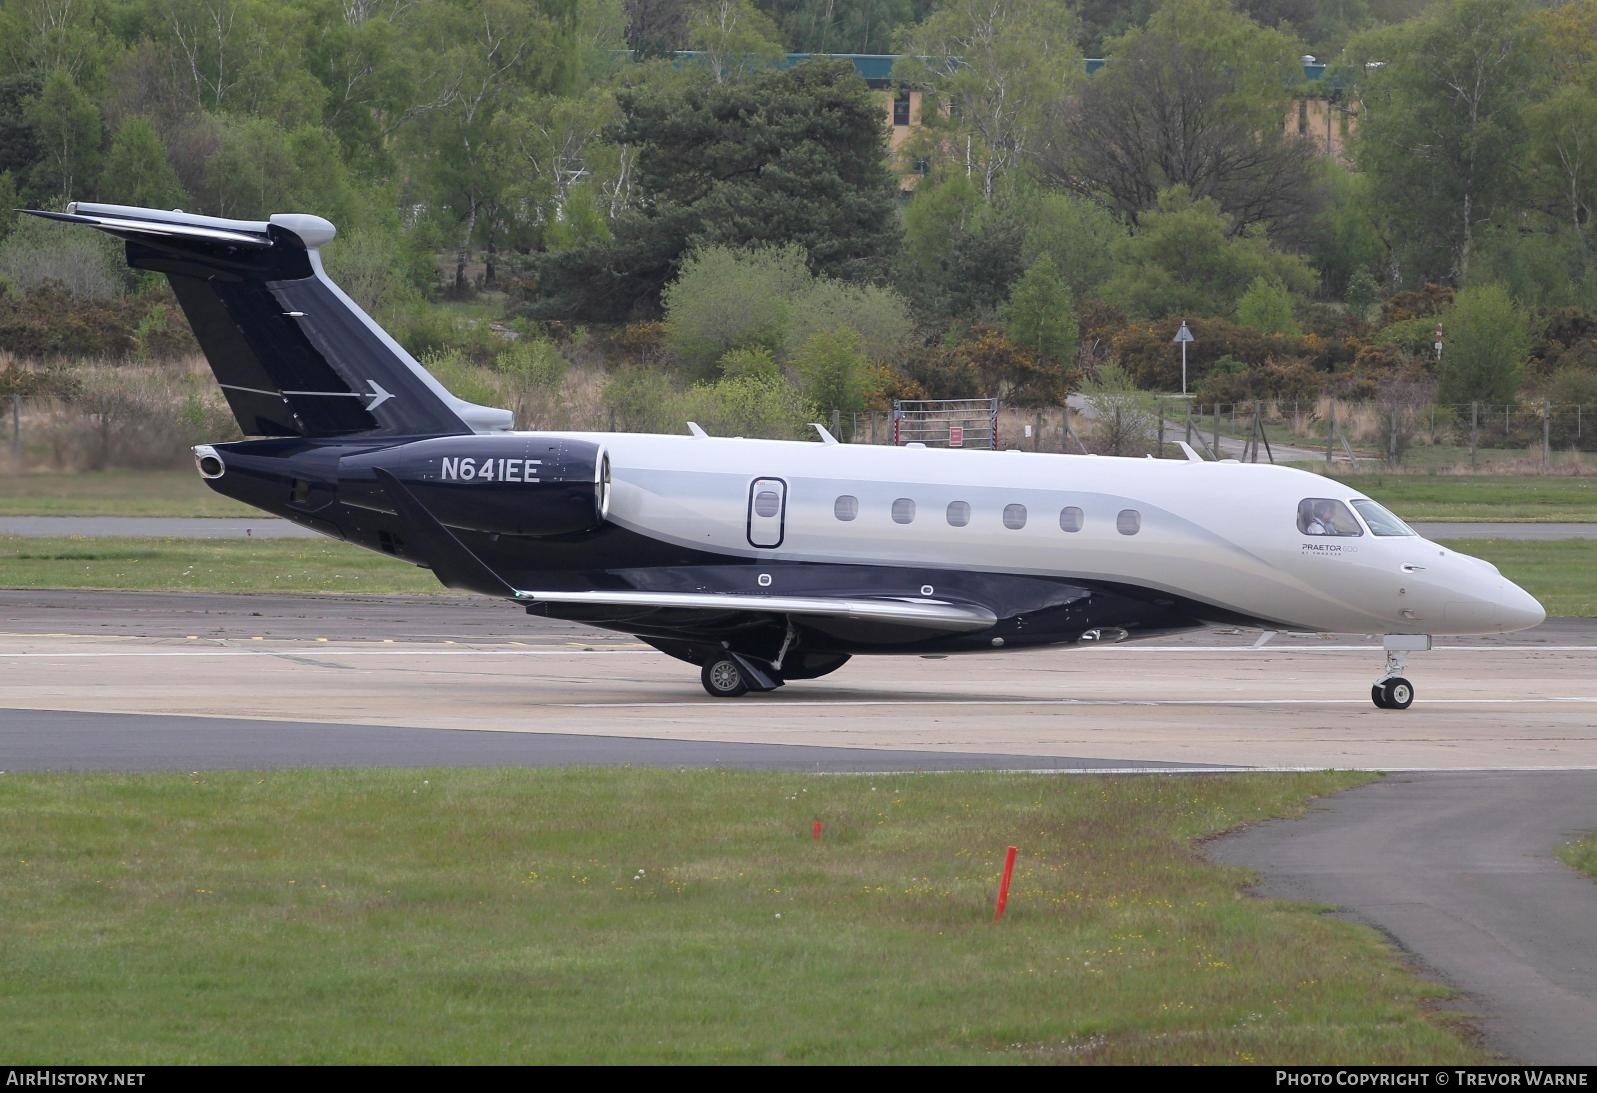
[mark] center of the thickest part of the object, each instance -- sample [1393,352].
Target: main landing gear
[726,674]
[1392,691]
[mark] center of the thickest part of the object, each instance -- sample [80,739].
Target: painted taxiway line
[422,650]
[787,703]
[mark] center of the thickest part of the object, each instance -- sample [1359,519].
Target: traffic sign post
[1183,336]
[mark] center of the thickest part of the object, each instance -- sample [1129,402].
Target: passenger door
[767,512]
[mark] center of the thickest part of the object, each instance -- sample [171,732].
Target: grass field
[115,493]
[631,916]
[206,565]
[1582,854]
[1481,497]
[1561,573]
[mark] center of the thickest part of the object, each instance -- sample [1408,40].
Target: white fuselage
[1224,534]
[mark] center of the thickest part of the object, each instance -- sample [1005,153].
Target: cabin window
[1128,522]
[903,511]
[1327,516]
[1381,521]
[767,503]
[845,507]
[958,513]
[1070,518]
[1014,517]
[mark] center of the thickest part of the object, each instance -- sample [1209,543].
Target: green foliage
[878,315]
[961,253]
[1572,386]
[1077,234]
[1345,239]
[1124,418]
[734,38]
[86,265]
[755,362]
[1267,306]
[1362,293]
[1185,259]
[66,126]
[1442,145]
[833,371]
[536,362]
[8,204]
[1487,341]
[642,400]
[136,171]
[973,55]
[1040,314]
[747,406]
[729,299]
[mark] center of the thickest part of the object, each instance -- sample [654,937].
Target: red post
[1003,885]
[815,831]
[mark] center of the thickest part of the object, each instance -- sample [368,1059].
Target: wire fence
[47,433]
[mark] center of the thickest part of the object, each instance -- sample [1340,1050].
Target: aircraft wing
[937,615]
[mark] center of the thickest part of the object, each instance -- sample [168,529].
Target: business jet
[766,561]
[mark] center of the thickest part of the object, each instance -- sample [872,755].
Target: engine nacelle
[509,484]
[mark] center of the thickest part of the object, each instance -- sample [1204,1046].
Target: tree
[734,38]
[1441,133]
[66,124]
[994,68]
[1124,419]
[1040,314]
[1488,340]
[1563,147]
[1267,306]
[1076,233]
[794,156]
[826,26]
[730,299]
[136,170]
[833,371]
[961,253]
[1185,259]
[1194,99]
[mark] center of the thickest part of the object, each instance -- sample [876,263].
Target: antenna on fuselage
[693,427]
[826,436]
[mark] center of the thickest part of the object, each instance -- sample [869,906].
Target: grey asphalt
[270,527]
[45,740]
[440,618]
[1459,869]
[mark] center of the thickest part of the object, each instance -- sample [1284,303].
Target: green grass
[629,916]
[1582,854]
[1561,573]
[206,565]
[1539,498]
[115,493]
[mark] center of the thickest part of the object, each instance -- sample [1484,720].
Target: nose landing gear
[1392,691]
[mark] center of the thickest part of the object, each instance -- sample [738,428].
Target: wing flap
[925,614]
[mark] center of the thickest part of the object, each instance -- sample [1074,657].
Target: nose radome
[1521,610]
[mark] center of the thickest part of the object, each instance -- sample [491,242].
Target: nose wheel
[1392,691]
[1396,693]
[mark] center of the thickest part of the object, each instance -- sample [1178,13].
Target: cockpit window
[1381,521]
[1326,516]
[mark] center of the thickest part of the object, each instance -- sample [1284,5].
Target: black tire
[1399,693]
[1378,695]
[722,678]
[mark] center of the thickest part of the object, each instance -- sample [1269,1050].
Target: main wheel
[1378,695]
[1399,693]
[722,678]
